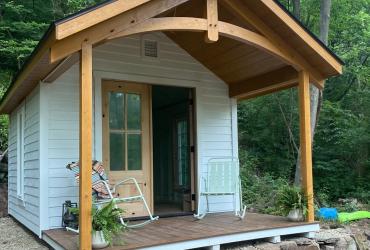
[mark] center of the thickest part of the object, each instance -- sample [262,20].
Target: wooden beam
[62,67]
[254,39]
[164,24]
[95,16]
[305,141]
[200,24]
[212,21]
[101,31]
[85,146]
[244,14]
[304,35]
[276,80]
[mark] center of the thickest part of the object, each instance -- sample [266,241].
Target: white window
[20,152]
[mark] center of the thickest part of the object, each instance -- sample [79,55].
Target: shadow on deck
[185,232]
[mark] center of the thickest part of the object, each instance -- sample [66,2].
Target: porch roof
[254,54]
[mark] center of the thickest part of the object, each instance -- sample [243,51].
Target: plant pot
[295,215]
[98,240]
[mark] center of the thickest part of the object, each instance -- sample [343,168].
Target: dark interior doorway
[171,150]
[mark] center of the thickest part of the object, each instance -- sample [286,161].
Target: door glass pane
[182,153]
[116,110]
[134,151]
[117,151]
[133,111]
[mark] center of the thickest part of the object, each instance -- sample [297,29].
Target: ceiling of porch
[236,62]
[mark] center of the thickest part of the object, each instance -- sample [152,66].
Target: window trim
[175,145]
[20,151]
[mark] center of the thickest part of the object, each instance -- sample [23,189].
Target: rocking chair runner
[103,193]
[222,179]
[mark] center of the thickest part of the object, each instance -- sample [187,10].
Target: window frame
[20,150]
[175,145]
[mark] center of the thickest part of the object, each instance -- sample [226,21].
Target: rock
[367,233]
[360,241]
[288,245]
[330,236]
[249,248]
[302,241]
[328,247]
[341,244]
[312,246]
[267,246]
[239,247]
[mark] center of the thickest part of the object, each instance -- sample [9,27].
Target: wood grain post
[305,141]
[212,21]
[85,145]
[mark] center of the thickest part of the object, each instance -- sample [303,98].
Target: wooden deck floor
[186,232]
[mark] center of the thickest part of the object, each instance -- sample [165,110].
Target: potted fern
[292,202]
[106,224]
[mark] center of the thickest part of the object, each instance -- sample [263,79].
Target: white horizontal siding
[120,59]
[62,138]
[27,211]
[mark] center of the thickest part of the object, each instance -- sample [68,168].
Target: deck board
[184,228]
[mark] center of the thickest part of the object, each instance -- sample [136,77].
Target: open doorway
[173,166]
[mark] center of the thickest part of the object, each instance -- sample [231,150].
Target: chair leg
[151,218]
[235,208]
[73,230]
[199,216]
[241,213]
[145,204]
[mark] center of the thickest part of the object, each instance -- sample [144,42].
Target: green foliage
[291,197]
[106,220]
[263,133]
[22,24]
[342,139]
[260,190]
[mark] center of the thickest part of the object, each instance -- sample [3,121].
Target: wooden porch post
[85,145]
[305,141]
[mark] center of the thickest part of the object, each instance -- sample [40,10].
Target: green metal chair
[222,179]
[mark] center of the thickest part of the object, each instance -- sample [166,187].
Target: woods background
[268,126]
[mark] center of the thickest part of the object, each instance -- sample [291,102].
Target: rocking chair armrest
[106,185]
[123,182]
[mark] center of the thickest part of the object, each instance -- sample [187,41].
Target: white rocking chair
[104,193]
[222,179]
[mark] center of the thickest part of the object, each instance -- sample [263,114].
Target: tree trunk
[315,93]
[325,6]
[297,9]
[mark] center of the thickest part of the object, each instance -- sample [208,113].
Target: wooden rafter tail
[85,146]
[305,141]
[212,21]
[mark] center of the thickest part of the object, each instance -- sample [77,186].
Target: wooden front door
[126,140]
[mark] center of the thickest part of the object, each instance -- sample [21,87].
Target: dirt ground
[14,237]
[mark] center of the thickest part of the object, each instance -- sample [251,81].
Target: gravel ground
[14,237]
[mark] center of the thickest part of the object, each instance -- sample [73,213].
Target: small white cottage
[150,88]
